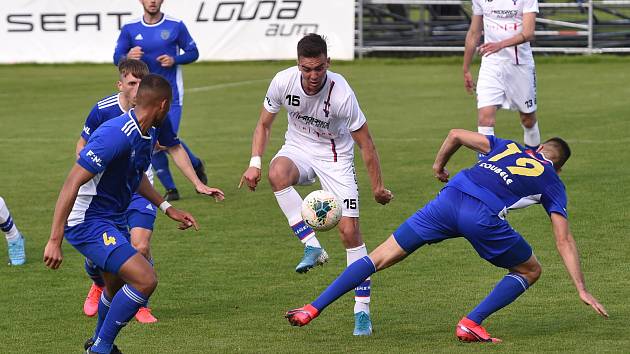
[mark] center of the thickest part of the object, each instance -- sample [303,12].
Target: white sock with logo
[531,136]
[6,222]
[362,292]
[290,203]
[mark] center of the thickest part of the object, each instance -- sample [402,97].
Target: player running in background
[507,77]
[90,212]
[15,240]
[474,204]
[141,213]
[324,122]
[157,39]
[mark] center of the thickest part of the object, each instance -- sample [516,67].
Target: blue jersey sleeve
[166,134]
[187,44]
[554,199]
[123,44]
[92,122]
[496,142]
[106,144]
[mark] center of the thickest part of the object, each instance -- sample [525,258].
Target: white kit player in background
[324,122]
[507,77]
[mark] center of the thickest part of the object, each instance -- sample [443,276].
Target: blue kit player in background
[91,208]
[474,204]
[157,39]
[141,213]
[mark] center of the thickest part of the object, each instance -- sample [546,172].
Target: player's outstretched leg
[351,277]
[15,240]
[362,321]
[513,285]
[90,306]
[291,203]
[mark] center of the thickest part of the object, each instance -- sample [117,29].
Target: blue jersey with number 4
[511,176]
[117,154]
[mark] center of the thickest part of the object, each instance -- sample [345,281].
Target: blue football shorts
[102,242]
[140,213]
[456,214]
[175,115]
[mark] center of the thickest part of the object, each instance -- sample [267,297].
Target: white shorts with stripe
[338,177]
[508,86]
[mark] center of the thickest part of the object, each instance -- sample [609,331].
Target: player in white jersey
[324,122]
[507,77]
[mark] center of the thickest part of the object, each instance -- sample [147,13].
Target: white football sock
[352,255]
[6,222]
[485,130]
[531,136]
[290,202]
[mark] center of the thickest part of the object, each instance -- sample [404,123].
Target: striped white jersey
[503,19]
[319,124]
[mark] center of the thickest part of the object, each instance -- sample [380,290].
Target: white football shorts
[337,177]
[508,86]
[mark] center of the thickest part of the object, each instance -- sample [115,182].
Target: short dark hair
[135,67]
[564,152]
[312,46]
[153,88]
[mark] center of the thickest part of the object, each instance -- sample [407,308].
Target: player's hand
[469,83]
[441,173]
[186,219]
[135,53]
[53,255]
[589,299]
[216,193]
[383,196]
[166,60]
[251,177]
[159,147]
[489,48]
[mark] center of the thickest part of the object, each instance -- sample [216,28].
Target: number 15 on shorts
[350,203]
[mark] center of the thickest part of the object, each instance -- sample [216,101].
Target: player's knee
[350,235]
[148,283]
[278,179]
[532,272]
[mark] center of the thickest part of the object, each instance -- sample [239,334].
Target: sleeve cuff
[87,165]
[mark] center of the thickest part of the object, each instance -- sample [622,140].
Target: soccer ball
[321,210]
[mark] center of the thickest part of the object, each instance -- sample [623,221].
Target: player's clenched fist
[383,196]
[52,255]
[135,53]
[251,177]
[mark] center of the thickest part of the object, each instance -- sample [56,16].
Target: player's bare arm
[527,35]
[181,159]
[370,157]
[454,140]
[568,251]
[77,177]
[80,145]
[186,219]
[251,176]
[472,40]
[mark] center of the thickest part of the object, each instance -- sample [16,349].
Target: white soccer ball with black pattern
[321,210]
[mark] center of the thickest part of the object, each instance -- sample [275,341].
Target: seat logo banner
[86,31]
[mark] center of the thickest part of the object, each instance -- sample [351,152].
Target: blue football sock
[354,275]
[123,307]
[503,294]
[194,160]
[103,307]
[95,274]
[160,164]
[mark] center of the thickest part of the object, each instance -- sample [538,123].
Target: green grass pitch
[225,288]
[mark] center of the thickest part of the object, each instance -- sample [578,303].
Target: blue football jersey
[109,108]
[168,36]
[118,154]
[511,176]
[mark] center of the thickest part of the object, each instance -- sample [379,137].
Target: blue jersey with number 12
[511,176]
